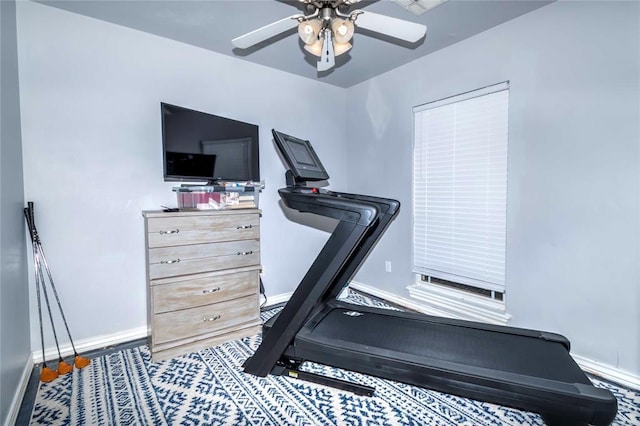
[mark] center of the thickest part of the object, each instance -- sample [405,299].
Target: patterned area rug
[209,388]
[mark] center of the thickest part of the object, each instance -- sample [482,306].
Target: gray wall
[90,94]
[15,346]
[574,166]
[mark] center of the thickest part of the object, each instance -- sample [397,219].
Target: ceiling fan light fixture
[340,48]
[315,48]
[328,26]
[342,29]
[309,30]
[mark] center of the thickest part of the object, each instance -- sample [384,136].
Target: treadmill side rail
[356,218]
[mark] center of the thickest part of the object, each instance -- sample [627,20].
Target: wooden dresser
[203,278]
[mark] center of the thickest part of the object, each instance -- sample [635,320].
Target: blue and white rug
[209,388]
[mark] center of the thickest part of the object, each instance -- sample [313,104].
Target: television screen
[204,147]
[300,157]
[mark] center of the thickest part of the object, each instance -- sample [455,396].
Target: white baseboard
[608,372]
[14,408]
[389,297]
[277,299]
[604,371]
[92,343]
[438,300]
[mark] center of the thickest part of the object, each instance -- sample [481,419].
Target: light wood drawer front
[171,231]
[204,291]
[182,260]
[191,322]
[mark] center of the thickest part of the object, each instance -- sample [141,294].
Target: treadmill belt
[511,353]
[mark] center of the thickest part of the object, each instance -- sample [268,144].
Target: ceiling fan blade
[263,33]
[397,28]
[328,58]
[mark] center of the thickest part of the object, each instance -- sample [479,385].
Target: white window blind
[460,188]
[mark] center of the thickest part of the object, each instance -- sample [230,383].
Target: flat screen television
[198,146]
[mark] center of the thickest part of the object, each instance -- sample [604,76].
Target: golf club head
[64,368]
[47,375]
[81,362]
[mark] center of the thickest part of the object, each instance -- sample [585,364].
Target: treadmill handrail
[389,205]
[355,220]
[389,209]
[325,204]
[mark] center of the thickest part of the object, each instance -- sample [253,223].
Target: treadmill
[525,369]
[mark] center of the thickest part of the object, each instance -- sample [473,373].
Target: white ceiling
[211,24]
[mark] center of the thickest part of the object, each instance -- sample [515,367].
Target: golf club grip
[32,214]
[32,222]
[27,217]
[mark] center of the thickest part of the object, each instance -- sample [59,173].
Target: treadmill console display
[302,160]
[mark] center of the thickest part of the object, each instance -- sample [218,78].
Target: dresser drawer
[182,230]
[205,290]
[192,259]
[205,319]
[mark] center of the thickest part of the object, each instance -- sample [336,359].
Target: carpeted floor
[209,388]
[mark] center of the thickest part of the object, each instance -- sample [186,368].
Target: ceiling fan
[327,28]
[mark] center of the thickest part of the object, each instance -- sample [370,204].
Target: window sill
[452,303]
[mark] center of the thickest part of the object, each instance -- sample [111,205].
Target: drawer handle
[244,227]
[211,319]
[212,290]
[169,262]
[245,253]
[172,231]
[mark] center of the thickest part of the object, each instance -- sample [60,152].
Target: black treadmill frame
[287,338]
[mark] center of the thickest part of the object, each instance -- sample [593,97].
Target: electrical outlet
[387,265]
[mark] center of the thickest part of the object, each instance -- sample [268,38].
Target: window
[460,191]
